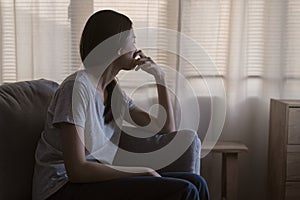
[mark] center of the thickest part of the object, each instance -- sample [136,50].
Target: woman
[75,153]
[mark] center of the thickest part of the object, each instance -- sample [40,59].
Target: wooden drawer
[294,126]
[293,166]
[292,191]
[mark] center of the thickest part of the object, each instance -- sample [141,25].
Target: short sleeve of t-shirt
[70,104]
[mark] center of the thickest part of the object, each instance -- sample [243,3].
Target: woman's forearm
[94,172]
[165,101]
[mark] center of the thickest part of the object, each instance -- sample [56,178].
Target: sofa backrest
[23,107]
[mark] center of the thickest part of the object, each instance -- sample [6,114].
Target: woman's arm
[81,170]
[165,101]
[141,117]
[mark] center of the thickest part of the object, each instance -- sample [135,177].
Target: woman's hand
[135,171]
[148,65]
[152,172]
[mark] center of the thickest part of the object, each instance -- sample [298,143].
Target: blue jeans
[171,186]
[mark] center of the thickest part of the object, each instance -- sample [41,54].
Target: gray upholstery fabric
[23,107]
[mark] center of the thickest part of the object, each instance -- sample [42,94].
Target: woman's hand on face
[148,65]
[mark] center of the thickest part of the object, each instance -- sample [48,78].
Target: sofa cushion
[23,107]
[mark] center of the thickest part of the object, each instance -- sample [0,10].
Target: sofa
[23,107]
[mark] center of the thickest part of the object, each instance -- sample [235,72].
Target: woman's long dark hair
[99,27]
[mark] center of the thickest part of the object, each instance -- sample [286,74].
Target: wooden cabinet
[284,150]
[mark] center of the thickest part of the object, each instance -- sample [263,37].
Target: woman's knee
[198,181]
[188,191]
[199,184]
[202,187]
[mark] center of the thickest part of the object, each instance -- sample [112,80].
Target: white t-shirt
[77,102]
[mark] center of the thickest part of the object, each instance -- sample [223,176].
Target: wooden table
[230,151]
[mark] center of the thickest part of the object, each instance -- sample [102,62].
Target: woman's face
[127,61]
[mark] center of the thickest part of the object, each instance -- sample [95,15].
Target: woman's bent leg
[132,188]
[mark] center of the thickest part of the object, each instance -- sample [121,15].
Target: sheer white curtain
[35,39]
[255,45]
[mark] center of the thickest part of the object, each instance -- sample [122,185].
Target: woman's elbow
[169,128]
[75,174]
[74,178]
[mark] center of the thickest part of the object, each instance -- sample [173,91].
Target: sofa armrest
[173,152]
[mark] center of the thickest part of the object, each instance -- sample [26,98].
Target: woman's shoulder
[75,76]
[78,79]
